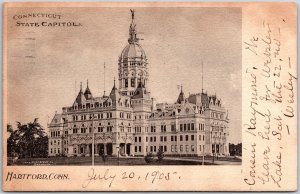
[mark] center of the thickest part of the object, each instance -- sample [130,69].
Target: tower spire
[80,86]
[114,82]
[87,83]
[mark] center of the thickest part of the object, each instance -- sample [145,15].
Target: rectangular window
[135,148]
[135,139]
[192,137]
[171,138]
[192,126]
[188,126]
[151,149]
[165,148]
[175,138]
[181,128]
[151,139]
[181,138]
[165,138]
[161,138]
[172,148]
[186,137]
[184,127]
[140,148]
[173,127]
[132,82]
[126,83]
[181,148]
[146,139]
[154,148]
[140,139]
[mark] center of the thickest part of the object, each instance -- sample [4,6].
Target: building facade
[126,122]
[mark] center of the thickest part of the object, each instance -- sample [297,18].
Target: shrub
[160,155]
[149,158]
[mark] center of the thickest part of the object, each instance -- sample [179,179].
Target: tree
[29,140]
[12,148]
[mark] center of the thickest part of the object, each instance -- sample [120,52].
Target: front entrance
[128,149]
[101,149]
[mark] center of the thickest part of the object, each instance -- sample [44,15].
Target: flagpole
[93,143]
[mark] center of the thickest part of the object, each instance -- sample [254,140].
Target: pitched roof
[140,92]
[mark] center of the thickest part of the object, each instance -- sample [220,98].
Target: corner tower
[133,65]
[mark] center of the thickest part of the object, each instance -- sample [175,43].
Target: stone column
[132,149]
[105,149]
[96,150]
[87,151]
[114,149]
[125,149]
[79,150]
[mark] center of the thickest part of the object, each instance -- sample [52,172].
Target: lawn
[87,161]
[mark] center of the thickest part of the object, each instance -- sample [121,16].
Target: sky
[175,40]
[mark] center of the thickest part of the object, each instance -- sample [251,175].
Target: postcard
[149,96]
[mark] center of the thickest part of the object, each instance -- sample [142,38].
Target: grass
[87,161]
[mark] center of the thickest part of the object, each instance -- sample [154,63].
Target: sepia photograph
[126,88]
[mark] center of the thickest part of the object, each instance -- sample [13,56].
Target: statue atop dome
[132,30]
[132,13]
